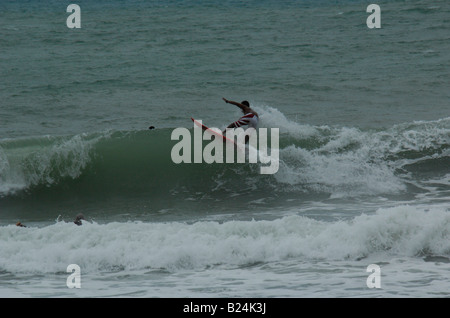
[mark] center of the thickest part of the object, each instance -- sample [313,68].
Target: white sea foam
[395,232]
[271,117]
[350,162]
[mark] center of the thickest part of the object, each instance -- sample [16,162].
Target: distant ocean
[364,148]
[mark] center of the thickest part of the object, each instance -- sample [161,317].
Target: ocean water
[364,149]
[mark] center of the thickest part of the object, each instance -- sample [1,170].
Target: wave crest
[340,161]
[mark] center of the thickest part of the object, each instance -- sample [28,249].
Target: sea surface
[364,149]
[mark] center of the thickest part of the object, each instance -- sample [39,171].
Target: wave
[402,231]
[338,161]
[347,161]
[29,162]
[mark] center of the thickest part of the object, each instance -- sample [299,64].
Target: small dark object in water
[78,219]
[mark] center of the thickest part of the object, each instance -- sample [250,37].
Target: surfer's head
[78,219]
[247,104]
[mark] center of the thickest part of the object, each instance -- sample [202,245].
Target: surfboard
[224,138]
[240,147]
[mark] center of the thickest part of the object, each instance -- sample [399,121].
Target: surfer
[249,119]
[78,219]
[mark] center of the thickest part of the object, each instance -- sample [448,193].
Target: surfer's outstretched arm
[241,106]
[244,106]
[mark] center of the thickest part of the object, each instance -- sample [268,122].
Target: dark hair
[245,103]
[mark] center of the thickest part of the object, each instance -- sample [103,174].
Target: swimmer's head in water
[78,219]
